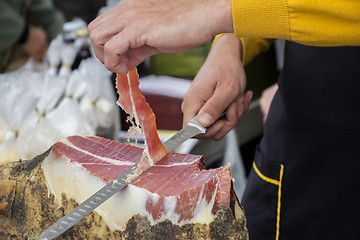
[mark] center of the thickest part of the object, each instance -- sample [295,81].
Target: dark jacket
[15,15]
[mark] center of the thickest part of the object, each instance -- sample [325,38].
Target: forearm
[318,23]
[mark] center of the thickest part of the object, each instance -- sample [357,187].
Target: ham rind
[134,103]
[177,188]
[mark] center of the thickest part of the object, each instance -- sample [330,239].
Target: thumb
[215,106]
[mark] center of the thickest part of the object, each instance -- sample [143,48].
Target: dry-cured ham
[176,187]
[174,199]
[134,104]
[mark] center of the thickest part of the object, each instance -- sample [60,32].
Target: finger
[99,52]
[138,55]
[247,99]
[232,118]
[193,102]
[211,131]
[102,34]
[107,16]
[97,44]
[221,127]
[218,129]
[188,113]
[114,58]
[233,114]
[215,105]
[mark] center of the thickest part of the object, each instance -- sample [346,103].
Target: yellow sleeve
[251,47]
[318,23]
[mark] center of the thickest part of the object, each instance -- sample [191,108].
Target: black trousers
[305,181]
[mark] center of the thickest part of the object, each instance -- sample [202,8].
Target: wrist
[230,43]
[224,21]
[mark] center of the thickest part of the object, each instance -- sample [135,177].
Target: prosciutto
[134,104]
[176,188]
[168,189]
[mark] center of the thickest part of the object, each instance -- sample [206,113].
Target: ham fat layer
[177,188]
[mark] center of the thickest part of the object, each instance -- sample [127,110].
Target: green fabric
[40,13]
[11,23]
[43,13]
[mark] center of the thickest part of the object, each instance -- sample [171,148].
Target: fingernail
[205,119]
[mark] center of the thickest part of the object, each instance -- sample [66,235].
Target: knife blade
[193,128]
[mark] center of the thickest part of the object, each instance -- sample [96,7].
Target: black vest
[306,178]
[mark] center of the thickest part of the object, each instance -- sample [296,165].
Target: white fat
[146,151]
[63,176]
[134,130]
[203,210]
[121,207]
[71,179]
[176,164]
[132,102]
[104,159]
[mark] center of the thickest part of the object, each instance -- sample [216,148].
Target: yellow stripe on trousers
[278,183]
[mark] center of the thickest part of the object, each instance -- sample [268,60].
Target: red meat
[176,175]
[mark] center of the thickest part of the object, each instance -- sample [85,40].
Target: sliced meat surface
[177,185]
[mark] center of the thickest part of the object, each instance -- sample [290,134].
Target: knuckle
[213,107]
[188,99]
[131,13]
[90,27]
[109,49]
[111,68]
[95,38]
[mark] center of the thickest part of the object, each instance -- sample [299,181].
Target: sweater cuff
[259,18]
[216,38]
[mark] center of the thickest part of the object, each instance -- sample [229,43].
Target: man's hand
[132,31]
[266,98]
[219,86]
[36,44]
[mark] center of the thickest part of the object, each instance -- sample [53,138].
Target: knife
[193,128]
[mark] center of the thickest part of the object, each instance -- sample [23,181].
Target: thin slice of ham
[177,187]
[134,104]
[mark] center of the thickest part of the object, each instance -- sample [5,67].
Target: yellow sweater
[310,22]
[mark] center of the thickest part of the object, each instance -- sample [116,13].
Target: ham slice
[176,188]
[134,104]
